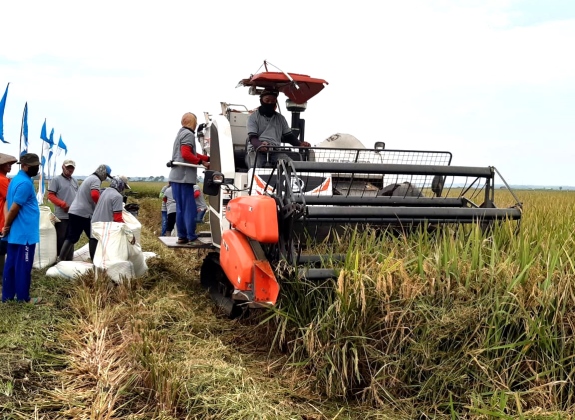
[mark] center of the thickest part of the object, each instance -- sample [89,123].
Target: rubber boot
[67,251]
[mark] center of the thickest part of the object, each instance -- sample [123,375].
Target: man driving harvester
[266,127]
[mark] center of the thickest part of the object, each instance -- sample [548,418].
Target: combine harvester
[262,219]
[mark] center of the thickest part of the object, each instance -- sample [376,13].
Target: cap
[119,183]
[30,159]
[125,181]
[269,92]
[4,158]
[108,170]
[69,162]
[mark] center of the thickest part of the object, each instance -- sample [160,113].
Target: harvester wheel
[214,280]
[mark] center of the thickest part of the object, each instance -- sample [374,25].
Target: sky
[491,81]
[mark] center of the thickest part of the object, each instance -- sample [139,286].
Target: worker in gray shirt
[201,205]
[61,192]
[183,178]
[266,128]
[81,210]
[170,203]
[109,207]
[164,210]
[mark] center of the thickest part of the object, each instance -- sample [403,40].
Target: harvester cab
[262,219]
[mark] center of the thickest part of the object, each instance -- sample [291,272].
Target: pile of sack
[119,253]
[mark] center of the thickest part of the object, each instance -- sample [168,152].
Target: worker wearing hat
[22,231]
[61,192]
[266,128]
[6,162]
[81,210]
[109,207]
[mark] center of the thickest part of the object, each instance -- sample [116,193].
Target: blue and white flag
[24,136]
[47,143]
[41,186]
[50,151]
[43,134]
[61,146]
[2,106]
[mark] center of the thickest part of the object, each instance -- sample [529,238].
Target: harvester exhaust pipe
[297,123]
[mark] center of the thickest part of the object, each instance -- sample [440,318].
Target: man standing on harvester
[183,178]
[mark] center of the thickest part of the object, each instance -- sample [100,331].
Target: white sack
[119,271]
[69,269]
[82,254]
[148,254]
[115,249]
[112,243]
[133,224]
[136,257]
[45,254]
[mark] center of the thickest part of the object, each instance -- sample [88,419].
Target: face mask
[33,171]
[267,109]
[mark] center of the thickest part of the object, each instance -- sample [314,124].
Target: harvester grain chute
[260,218]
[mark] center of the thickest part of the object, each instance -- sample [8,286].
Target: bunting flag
[24,131]
[2,106]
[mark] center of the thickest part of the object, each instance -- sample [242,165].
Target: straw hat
[7,159]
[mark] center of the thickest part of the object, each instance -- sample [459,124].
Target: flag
[2,106]
[24,135]
[41,186]
[46,151]
[43,135]
[50,151]
[61,146]
[45,142]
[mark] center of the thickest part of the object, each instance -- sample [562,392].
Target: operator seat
[238,121]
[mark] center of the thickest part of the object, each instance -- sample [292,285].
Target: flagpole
[44,137]
[41,177]
[21,131]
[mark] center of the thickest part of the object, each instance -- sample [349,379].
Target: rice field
[454,324]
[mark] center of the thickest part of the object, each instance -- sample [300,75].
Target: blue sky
[491,81]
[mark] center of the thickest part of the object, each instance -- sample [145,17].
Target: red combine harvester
[262,219]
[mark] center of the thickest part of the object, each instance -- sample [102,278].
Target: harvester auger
[261,219]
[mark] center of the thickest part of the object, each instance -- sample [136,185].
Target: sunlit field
[457,323]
